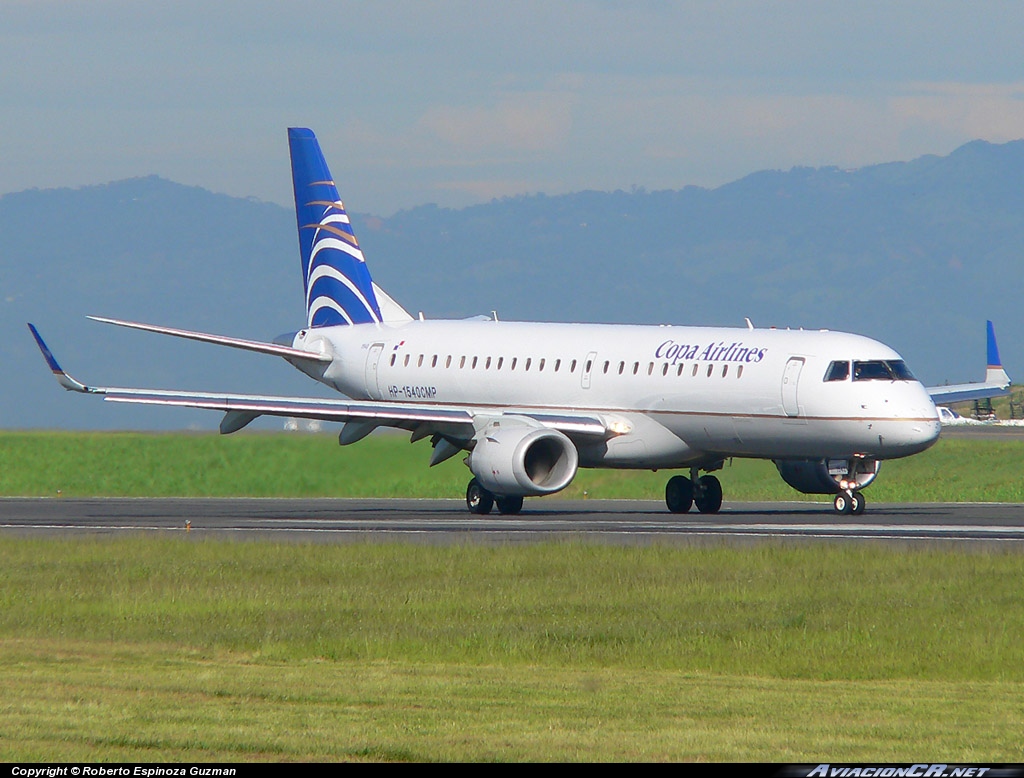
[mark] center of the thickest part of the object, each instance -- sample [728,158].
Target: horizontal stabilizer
[221,340]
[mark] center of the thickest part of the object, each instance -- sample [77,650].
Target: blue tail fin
[338,286]
[994,372]
[993,349]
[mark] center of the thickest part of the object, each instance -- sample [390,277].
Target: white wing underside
[955,393]
[450,420]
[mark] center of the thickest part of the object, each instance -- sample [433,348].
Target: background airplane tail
[337,283]
[994,373]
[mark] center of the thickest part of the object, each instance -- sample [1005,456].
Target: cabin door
[790,382]
[372,363]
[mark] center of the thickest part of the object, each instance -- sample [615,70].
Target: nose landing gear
[849,502]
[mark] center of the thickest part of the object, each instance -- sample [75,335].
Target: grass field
[296,465]
[169,649]
[174,649]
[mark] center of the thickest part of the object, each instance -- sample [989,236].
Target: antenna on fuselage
[750,324]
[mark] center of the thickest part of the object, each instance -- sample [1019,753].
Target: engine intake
[523,461]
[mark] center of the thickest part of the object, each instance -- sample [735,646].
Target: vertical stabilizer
[338,286]
[994,373]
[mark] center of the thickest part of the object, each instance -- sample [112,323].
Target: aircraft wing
[240,409]
[955,393]
[996,383]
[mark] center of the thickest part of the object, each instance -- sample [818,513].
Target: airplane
[996,383]
[531,403]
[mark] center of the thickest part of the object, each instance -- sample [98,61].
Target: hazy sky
[459,102]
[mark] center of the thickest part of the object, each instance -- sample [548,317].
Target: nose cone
[916,436]
[917,430]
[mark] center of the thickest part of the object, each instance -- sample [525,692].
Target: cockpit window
[882,370]
[838,371]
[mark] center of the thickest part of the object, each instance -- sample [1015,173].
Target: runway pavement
[448,521]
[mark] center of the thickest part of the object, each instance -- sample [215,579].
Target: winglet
[994,373]
[63,378]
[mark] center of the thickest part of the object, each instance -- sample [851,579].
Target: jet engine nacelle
[523,461]
[828,476]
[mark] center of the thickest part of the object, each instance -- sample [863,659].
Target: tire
[858,504]
[843,504]
[478,499]
[679,494]
[509,505]
[709,496]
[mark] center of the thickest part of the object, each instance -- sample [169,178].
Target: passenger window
[636,368]
[739,371]
[487,364]
[407,360]
[393,358]
[725,370]
[711,369]
[607,364]
[501,361]
[462,362]
[527,365]
[419,362]
[433,361]
[448,361]
[473,366]
[540,366]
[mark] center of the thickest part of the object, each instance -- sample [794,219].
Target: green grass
[283,465]
[179,648]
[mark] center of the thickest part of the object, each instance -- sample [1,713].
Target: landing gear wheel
[478,499]
[709,494]
[858,503]
[843,503]
[679,494]
[509,505]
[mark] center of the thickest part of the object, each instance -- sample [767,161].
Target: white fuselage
[680,396]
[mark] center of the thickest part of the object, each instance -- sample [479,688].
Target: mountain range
[916,254]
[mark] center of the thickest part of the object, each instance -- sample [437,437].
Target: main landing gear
[849,503]
[705,492]
[480,501]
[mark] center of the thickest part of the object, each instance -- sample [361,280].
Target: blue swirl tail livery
[337,283]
